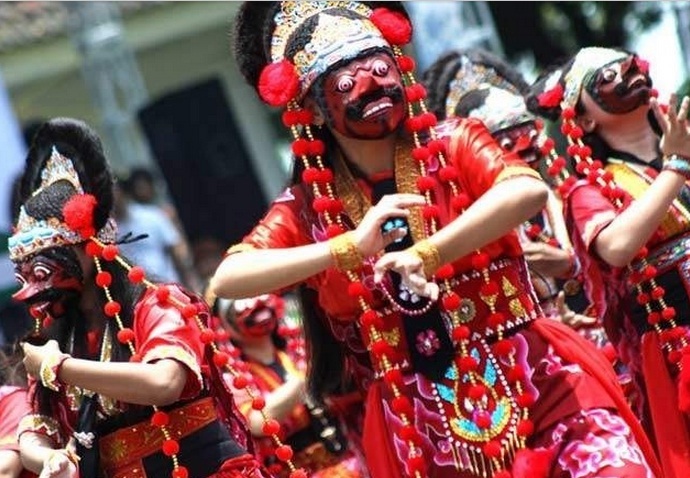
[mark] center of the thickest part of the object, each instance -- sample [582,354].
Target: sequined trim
[41,424]
[176,353]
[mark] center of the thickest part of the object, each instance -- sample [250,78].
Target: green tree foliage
[554,30]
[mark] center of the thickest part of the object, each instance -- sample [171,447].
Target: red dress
[574,383]
[130,446]
[656,394]
[14,405]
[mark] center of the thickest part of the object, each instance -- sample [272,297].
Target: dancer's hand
[411,270]
[59,465]
[34,355]
[368,235]
[571,318]
[674,125]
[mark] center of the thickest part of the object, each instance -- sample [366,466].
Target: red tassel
[551,98]
[78,214]
[395,28]
[532,463]
[278,83]
[684,382]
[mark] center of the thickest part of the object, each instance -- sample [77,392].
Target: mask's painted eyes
[345,84]
[380,68]
[506,143]
[608,75]
[41,272]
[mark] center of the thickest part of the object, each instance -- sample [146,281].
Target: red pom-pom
[496,319]
[467,364]
[492,449]
[93,249]
[207,336]
[409,433]
[450,301]
[437,146]
[448,173]
[290,118]
[483,420]
[271,427]
[490,288]
[370,318]
[532,463]
[180,472]
[668,313]
[402,406]
[299,473]
[162,294]
[461,332]
[160,419]
[406,64]
[310,175]
[78,214]
[189,311]
[316,147]
[430,212]
[525,427]
[258,403]
[334,230]
[551,98]
[278,83]
[321,204]
[394,26]
[504,348]
[416,465]
[240,382]
[502,474]
[568,113]
[300,147]
[104,279]
[421,154]
[170,447]
[425,183]
[446,271]
[429,119]
[516,373]
[220,359]
[112,308]
[393,377]
[460,201]
[125,335]
[356,289]
[476,391]
[414,124]
[480,261]
[47,322]
[109,252]
[325,176]
[525,399]
[380,348]
[136,274]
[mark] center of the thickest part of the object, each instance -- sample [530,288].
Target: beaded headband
[33,235]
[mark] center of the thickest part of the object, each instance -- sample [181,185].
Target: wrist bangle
[429,255]
[50,367]
[678,164]
[345,253]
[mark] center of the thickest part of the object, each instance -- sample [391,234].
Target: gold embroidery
[514,171]
[392,336]
[41,424]
[516,308]
[509,289]
[489,300]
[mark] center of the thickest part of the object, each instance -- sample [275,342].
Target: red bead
[136,274]
[642,298]
[414,124]
[421,154]
[642,253]
[393,377]
[568,113]
[674,356]
[446,271]
[180,472]
[112,308]
[460,201]
[548,145]
[406,64]
[576,132]
[321,204]
[654,318]
[483,420]
[290,118]
[461,332]
[425,183]
[335,206]
[481,261]
[658,292]
[402,406]
[109,252]
[525,399]
[310,175]
[258,403]
[668,313]
[240,382]
[416,465]
[582,167]
[412,93]
[305,117]
[315,147]
[300,147]
[207,336]
[566,128]
[188,311]
[596,164]
[448,173]
[476,391]
[492,449]
[409,433]
[450,301]
[504,348]
[586,152]
[271,427]
[559,161]
[334,230]
[162,294]
[160,419]
[496,319]
[371,318]
[170,447]
[573,150]
[104,279]
[380,348]
[437,146]
[649,272]
[92,249]
[220,359]
[325,176]
[468,364]
[429,119]
[516,373]
[125,335]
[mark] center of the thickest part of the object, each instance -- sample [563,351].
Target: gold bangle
[50,366]
[429,255]
[344,251]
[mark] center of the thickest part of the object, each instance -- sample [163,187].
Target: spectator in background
[162,251]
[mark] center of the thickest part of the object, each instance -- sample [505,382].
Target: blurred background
[186,135]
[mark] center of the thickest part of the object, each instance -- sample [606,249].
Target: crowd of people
[468,276]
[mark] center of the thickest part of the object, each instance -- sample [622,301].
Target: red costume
[566,382]
[14,405]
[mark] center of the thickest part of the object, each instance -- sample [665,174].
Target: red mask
[522,140]
[258,317]
[622,86]
[365,98]
[47,282]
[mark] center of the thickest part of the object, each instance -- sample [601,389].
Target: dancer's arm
[618,242]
